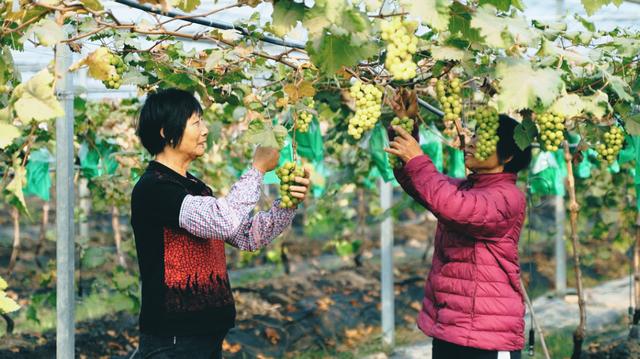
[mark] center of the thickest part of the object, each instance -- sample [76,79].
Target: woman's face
[490,164]
[194,138]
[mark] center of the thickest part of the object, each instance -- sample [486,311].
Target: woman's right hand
[266,159]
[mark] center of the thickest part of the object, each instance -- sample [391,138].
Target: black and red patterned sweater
[185,285]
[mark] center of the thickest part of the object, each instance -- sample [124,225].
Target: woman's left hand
[404,145]
[300,191]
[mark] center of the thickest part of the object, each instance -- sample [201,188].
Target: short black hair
[167,109]
[507,146]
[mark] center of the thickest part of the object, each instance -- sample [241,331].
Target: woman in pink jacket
[473,305]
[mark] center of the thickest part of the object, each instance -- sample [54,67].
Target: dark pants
[446,350]
[196,347]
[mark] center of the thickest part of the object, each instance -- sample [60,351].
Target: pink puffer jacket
[472,296]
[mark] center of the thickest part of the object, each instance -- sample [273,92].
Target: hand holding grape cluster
[291,194]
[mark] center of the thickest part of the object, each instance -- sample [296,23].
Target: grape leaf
[8,133]
[447,53]
[332,52]
[597,104]
[570,105]
[591,6]
[434,13]
[525,133]
[186,5]
[7,305]
[521,86]
[502,32]
[264,134]
[93,4]
[98,62]
[286,14]
[460,23]
[617,84]
[323,14]
[304,89]
[17,183]
[503,5]
[632,125]
[35,99]
[47,31]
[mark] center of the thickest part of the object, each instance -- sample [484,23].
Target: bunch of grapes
[304,119]
[407,124]
[287,174]
[486,131]
[401,45]
[449,97]
[115,78]
[551,130]
[613,140]
[368,108]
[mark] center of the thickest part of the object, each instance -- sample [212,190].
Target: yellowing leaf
[3,284]
[500,31]
[597,104]
[8,133]
[99,64]
[7,305]
[570,105]
[17,183]
[521,86]
[434,13]
[286,14]
[36,100]
[304,89]
[591,6]
[447,53]
[93,4]
[47,31]
[186,5]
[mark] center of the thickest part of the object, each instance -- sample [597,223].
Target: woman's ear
[507,160]
[162,133]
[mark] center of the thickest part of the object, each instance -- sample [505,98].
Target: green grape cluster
[304,119]
[287,174]
[115,79]
[551,130]
[368,108]
[613,140]
[407,124]
[486,131]
[401,45]
[449,97]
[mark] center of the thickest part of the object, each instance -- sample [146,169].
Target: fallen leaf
[272,335]
[231,348]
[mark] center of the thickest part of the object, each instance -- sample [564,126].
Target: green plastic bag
[455,167]
[309,144]
[584,168]
[380,158]
[96,161]
[38,177]
[431,145]
[547,174]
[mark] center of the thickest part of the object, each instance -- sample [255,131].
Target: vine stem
[545,350]
[579,333]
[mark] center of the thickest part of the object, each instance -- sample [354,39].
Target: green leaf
[632,125]
[522,87]
[264,134]
[94,257]
[525,133]
[460,23]
[619,86]
[503,5]
[323,14]
[434,13]
[92,4]
[36,100]
[8,133]
[286,13]
[591,6]
[186,5]
[447,53]
[586,23]
[331,52]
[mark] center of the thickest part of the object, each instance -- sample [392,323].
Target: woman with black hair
[181,229]
[473,304]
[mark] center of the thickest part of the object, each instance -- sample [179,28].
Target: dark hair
[169,110]
[507,147]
